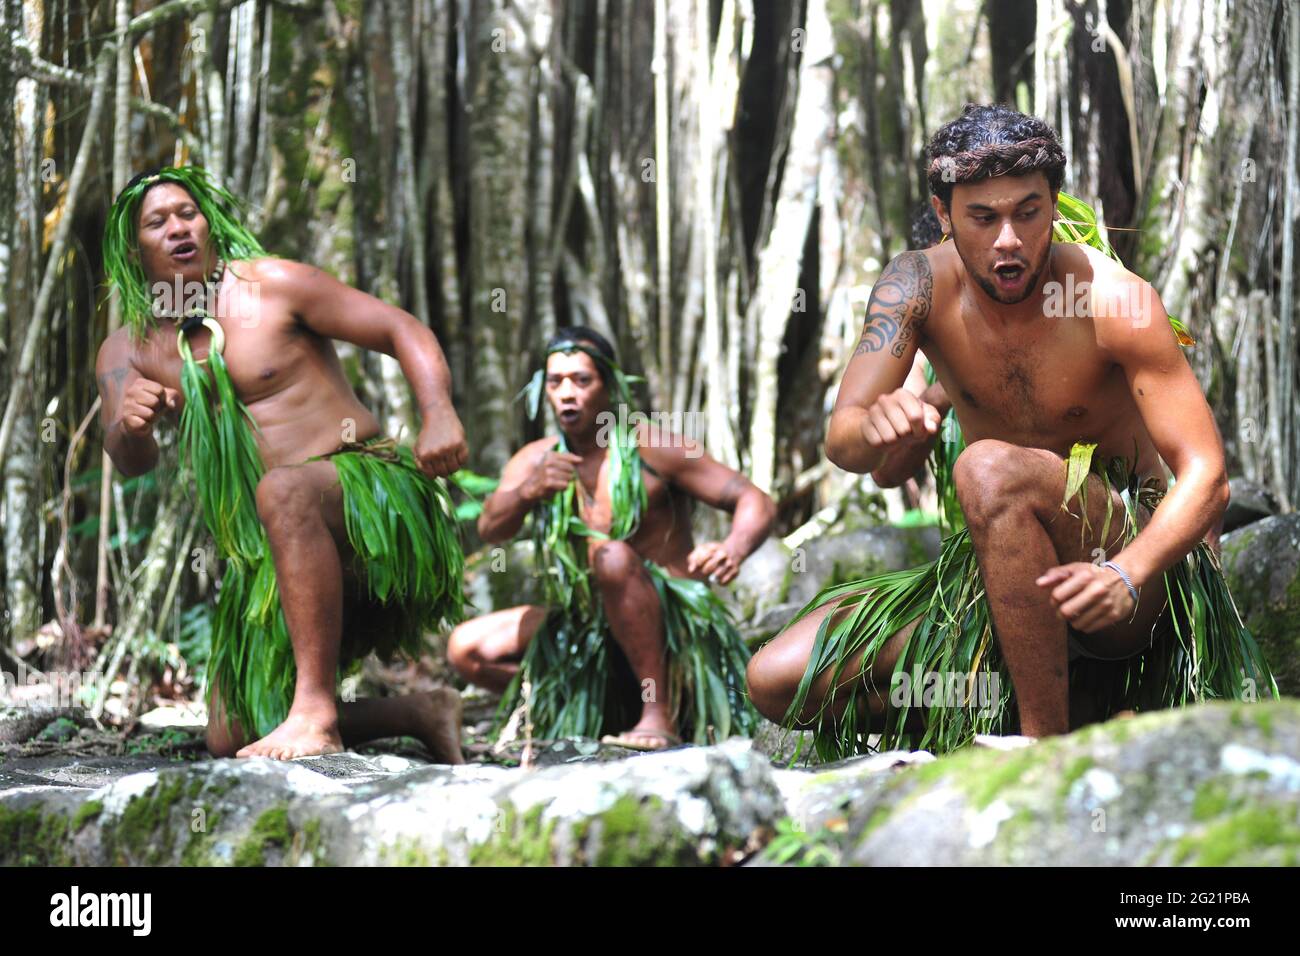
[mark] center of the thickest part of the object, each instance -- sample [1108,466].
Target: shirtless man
[1027,383]
[279,318]
[487,649]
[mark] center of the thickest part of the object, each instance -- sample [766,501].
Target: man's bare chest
[1049,383]
[261,361]
[597,501]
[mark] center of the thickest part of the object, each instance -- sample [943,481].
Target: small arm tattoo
[899,305]
[110,383]
[731,492]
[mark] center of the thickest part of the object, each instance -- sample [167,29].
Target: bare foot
[652,732]
[298,736]
[437,723]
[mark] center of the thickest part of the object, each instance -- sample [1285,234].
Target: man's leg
[486,650]
[636,622]
[431,717]
[774,672]
[1011,497]
[224,737]
[301,507]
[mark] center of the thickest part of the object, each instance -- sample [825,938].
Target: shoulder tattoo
[899,305]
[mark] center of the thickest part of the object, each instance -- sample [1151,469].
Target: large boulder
[691,806]
[1215,784]
[1249,502]
[1211,784]
[1262,565]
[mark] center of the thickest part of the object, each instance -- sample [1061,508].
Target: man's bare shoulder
[535,448]
[944,262]
[1125,308]
[119,348]
[664,450]
[272,272]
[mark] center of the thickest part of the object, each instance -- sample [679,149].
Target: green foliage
[794,845]
[194,639]
[476,488]
[217,436]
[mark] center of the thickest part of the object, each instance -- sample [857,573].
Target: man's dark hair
[580,333]
[992,140]
[145,174]
[926,230]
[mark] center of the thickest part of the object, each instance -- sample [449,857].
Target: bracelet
[1128,582]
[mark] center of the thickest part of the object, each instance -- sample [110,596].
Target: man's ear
[941,213]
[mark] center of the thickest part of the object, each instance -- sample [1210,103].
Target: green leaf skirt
[581,684]
[1201,650]
[407,554]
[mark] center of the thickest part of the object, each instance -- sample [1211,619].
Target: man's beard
[991,289]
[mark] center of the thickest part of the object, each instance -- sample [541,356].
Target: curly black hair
[992,140]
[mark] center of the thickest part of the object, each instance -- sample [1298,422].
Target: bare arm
[874,416]
[706,479]
[904,463]
[127,424]
[335,310]
[1181,425]
[531,476]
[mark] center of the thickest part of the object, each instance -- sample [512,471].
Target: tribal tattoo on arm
[899,305]
[110,385]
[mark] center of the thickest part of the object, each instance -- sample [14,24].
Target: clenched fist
[143,402]
[441,449]
[899,419]
[551,475]
[715,559]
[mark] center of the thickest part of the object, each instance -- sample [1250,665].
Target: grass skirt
[582,685]
[408,556]
[1207,652]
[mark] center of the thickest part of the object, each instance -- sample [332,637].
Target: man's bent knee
[991,476]
[615,563]
[462,651]
[282,495]
[772,682]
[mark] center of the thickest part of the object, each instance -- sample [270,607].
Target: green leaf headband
[226,231]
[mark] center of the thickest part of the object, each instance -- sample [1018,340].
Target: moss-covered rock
[1214,784]
[1262,565]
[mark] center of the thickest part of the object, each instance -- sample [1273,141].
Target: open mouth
[1009,274]
[568,415]
[185,251]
